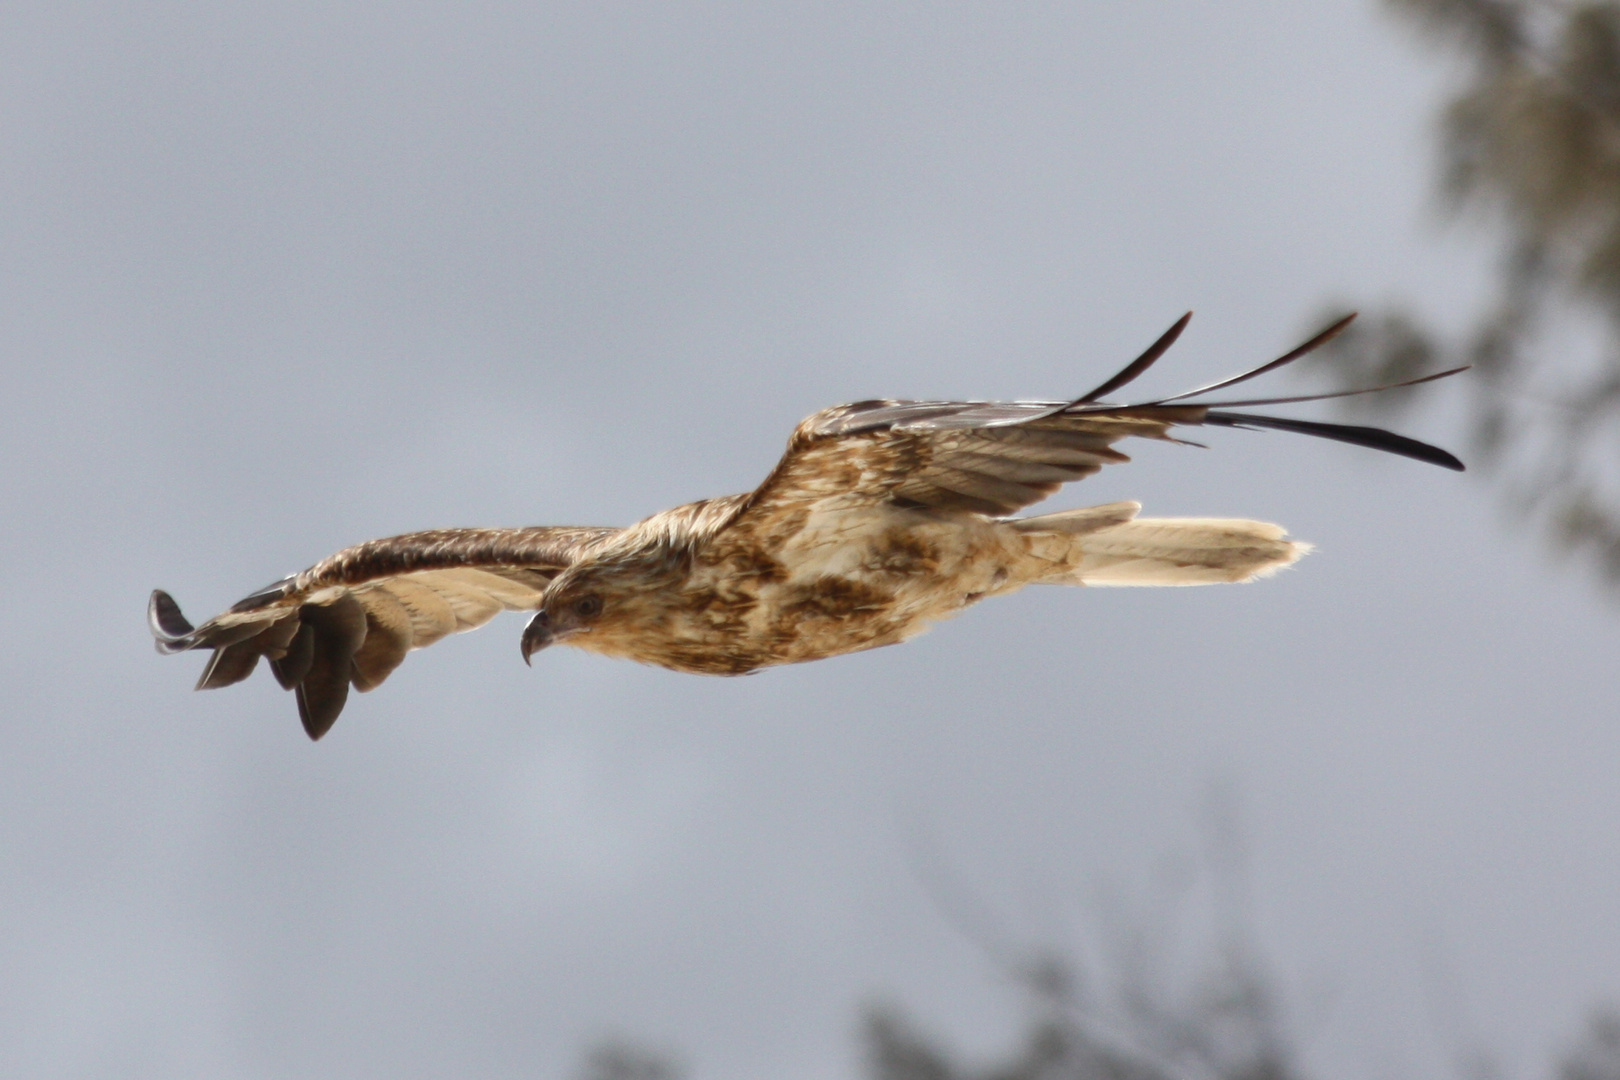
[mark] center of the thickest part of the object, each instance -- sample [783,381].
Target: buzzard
[882,518]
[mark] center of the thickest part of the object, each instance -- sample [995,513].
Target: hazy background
[277,279]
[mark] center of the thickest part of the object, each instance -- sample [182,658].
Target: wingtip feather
[170,629]
[1370,437]
[1149,357]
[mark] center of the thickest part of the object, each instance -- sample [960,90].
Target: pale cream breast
[849,581]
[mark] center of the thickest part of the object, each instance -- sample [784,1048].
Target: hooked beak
[541,632]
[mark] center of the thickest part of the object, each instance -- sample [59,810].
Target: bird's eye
[588,607]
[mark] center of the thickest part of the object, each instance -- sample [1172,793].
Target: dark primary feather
[1129,373]
[338,629]
[1375,438]
[168,624]
[229,665]
[1288,357]
[1330,395]
[291,667]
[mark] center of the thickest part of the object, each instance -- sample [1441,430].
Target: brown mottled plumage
[882,518]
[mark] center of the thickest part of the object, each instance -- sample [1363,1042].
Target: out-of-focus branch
[1223,1023]
[620,1060]
[1530,151]
[1597,1056]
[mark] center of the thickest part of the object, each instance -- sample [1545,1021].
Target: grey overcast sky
[279,278]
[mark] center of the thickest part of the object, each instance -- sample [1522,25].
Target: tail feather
[1165,551]
[1080,522]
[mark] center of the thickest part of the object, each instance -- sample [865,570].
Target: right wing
[351,618]
[995,458]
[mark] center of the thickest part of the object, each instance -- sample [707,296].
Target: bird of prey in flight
[882,518]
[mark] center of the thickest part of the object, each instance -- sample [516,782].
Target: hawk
[882,518]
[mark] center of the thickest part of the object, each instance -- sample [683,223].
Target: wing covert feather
[431,616]
[931,463]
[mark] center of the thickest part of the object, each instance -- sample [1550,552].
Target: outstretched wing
[995,458]
[351,618]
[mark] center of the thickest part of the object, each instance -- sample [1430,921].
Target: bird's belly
[832,592]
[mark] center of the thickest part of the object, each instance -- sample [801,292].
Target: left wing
[995,458]
[351,618]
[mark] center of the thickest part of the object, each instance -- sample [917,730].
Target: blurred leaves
[1597,1057]
[1226,1028]
[620,1060]
[1051,1050]
[1530,151]
[1148,1012]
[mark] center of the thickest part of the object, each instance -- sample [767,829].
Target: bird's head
[596,605]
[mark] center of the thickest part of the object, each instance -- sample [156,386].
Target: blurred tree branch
[1597,1057]
[1530,146]
[1159,1016]
[619,1059]
[1224,1030]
